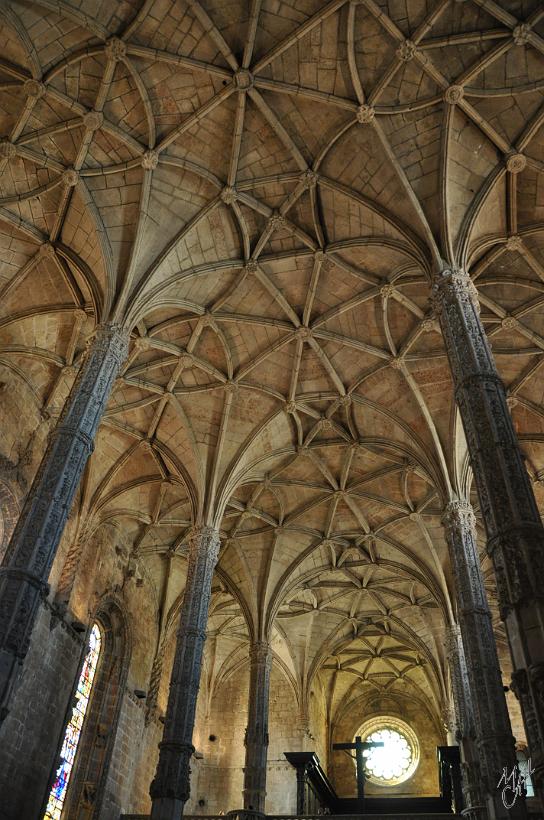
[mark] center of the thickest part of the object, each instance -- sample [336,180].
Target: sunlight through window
[72,735]
[398,758]
[393,759]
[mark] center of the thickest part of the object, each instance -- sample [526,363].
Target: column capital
[452,284]
[260,652]
[112,337]
[459,514]
[203,537]
[452,638]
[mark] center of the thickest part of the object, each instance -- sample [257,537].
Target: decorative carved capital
[459,517]
[186,361]
[206,319]
[309,178]
[276,221]
[243,79]
[229,195]
[303,333]
[516,162]
[34,88]
[93,120]
[454,94]
[70,177]
[509,322]
[114,339]
[430,325]
[406,51]
[452,284]
[514,243]
[260,653]
[365,113]
[7,150]
[521,34]
[451,640]
[150,159]
[386,291]
[115,49]
[204,539]
[46,250]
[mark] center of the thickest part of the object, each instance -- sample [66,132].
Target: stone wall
[35,722]
[285,736]
[217,778]
[424,781]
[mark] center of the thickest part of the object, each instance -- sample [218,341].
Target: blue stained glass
[72,734]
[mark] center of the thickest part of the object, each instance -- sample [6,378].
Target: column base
[167,808]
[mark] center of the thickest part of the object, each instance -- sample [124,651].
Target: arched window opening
[72,735]
[398,758]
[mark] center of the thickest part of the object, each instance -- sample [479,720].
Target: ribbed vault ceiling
[260,191]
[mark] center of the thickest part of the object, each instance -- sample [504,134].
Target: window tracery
[395,761]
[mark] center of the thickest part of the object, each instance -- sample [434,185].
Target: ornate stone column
[475,804]
[170,789]
[494,740]
[462,703]
[30,554]
[256,740]
[514,529]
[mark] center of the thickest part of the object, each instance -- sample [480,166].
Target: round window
[397,759]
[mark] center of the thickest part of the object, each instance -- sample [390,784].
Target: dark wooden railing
[316,794]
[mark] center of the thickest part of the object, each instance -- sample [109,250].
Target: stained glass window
[72,735]
[392,760]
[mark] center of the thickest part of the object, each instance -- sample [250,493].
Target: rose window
[397,759]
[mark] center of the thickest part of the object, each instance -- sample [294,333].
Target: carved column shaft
[256,740]
[33,546]
[465,731]
[514,529]
[488,703]
[170,789]
[462,702]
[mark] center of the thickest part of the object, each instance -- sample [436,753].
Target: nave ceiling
[260,192]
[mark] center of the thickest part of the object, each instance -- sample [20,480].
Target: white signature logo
[514,784]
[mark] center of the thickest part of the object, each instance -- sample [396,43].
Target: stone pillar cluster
[170,789]
[256,740]
[27,563]
[515,535]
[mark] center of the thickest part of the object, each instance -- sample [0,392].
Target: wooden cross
[359,747]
